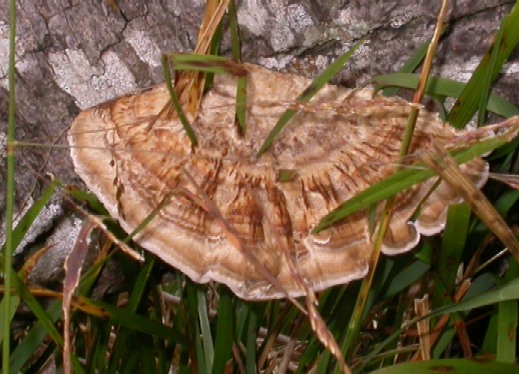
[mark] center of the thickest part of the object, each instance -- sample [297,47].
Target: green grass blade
[193,327]
[318,83]
[411,65]
[141,283]
[28,218]
[323,363]
[252,334]
[445,87]
[88,198]
[14,280]
[36,308]
[406,278]
[507,331]
[135,321]
[241,105]
[489,346]
[15,302]
[125,335]
[176,104]
[205,64]
[213,51]
[489,68]
[509,291]
[224,331]
[453,243]
[451,366]
[241,88]
[507,321]
[486,86]
[26,348]
[10,191]
[205,329]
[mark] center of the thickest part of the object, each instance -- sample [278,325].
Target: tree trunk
[74,54]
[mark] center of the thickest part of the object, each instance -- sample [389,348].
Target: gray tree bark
[74,54]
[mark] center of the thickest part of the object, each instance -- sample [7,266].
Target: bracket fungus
[137,163]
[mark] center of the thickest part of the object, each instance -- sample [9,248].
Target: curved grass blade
[307,94]
[445,87]
[411,65]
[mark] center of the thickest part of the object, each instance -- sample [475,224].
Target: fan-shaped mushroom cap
[132,160]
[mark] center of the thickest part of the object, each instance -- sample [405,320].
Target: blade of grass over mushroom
[165,200]
[211,64]
[401,180]
[470,98]
[205,63]
[176,104]
[445,87]
[318,83]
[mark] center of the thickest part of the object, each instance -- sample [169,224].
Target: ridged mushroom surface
[336,146]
